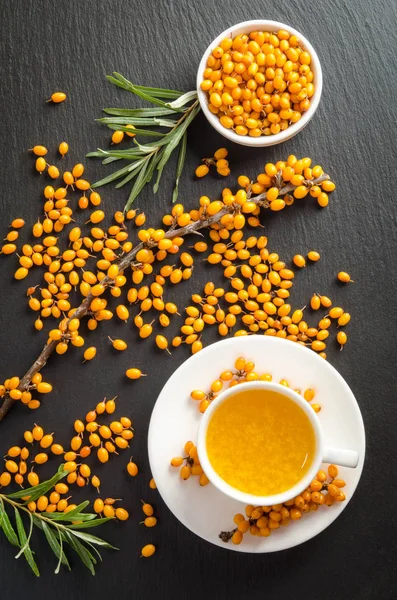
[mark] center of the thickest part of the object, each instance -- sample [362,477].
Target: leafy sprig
[144,160]
[60,529]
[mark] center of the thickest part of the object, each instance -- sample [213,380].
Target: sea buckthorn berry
[313,256]
[110,406]
[118,344]
[46,441]
[122,514]
[344,319]
[335,312]
[39,150]
[41,458]
[89,353]
[57,97]
[333,471]
[134,373]
[103,455]
[299,260]
[79,426]
[132,468]
[57,449]
[344,277]
[202,171]
[98,506]
[341,338]
[148,550]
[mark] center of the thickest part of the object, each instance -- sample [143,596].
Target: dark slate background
[71,46]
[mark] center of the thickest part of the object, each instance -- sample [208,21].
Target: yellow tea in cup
[260,442]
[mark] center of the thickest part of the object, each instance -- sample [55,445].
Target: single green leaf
[180,165]
[147,148]
[145,121]
[159,174]
[117,174]
[183,100]
[156,144]
[139,112]
[85,556]
[177,136]
[129,177]
[56,546]
[153,163]
[76,541]
[121,81]
[89,524]
[97,154]
[6,526]
[111,159]
[71,515]
[147,132]
[160,92]
[39,490]
[155,92]
[125,154]
[25,544]
[65,516]
[94,550]
[93,539]
[137,187]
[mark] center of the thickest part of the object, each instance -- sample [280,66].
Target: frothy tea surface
[260,442]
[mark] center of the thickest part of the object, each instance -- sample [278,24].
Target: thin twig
[125,262]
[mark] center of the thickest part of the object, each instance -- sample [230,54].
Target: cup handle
[341,457]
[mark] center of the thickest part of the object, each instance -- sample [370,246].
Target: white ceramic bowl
[342,457]
[271,140]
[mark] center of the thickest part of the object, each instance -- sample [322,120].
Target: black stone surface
[46,46]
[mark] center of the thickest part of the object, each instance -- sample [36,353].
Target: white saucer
[175,419]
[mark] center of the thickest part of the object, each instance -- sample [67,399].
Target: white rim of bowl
[245,497]
[292,130]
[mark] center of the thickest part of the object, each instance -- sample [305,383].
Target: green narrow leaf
[6,526]
[118,174]
[92,539]
[24,543]
[56,547]
[147,132]
[178,135]
[146,148]
[94,550]
[39,490]
[138,91]
[146,121]
[183,100]
[155,92]
[111,159]
[160,92]
[85,556]
[139,112]
[131,152]
[152,165]
[97,154]
[155,144]
[129,177]
[137,187]
[72,514]
[89,524]
[180,165]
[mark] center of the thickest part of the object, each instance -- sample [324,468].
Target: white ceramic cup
[339,456]
[270,140]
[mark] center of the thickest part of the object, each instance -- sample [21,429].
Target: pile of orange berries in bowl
[259,83]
